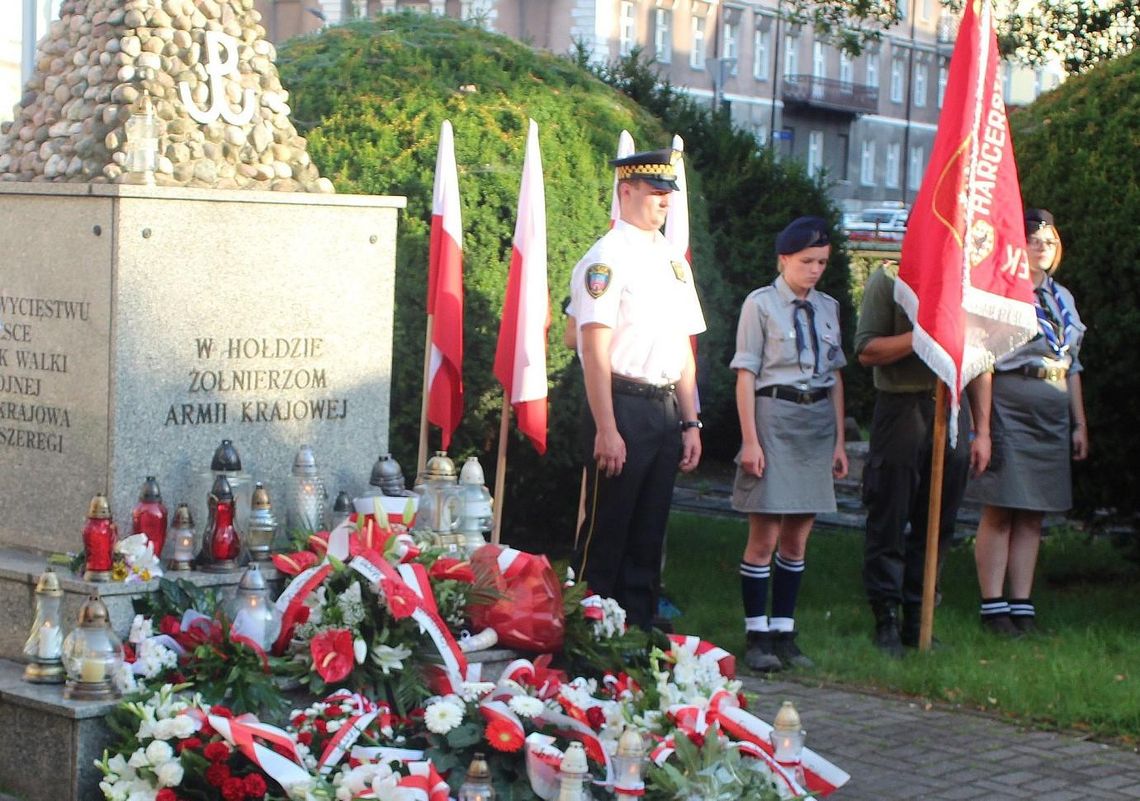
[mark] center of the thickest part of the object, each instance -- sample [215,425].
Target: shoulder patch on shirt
[598,277]
[678,270]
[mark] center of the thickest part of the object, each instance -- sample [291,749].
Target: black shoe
[759,655]
[1002,626]
[789,654]
[1026,624]
[887,630]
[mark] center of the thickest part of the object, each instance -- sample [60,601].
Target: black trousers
[618,551]
[896,492]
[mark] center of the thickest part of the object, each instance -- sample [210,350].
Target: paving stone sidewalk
[898,750]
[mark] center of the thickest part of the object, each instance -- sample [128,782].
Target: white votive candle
[50,642]
[92,669]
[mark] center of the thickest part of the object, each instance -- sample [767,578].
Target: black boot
[759,655]
[1002,626]
[786,650]
[887,629]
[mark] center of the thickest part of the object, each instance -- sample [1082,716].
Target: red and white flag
[520,357]
[445,293]
[964,275]
[677,221]
[625,148]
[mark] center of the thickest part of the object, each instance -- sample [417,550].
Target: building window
[792,55]
[697,50]
[920,85]
[915,167]
[902,7]
[844,155]
[846,70]
[873,69]
[867,164]
[815,153]
[761,40]
[663,35]
[943,77]
[927,9]
[475,11]
[891,176]
[1006,80]
[896,80]
[731,47]
[627,27]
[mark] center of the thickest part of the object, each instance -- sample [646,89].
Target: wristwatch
[687,424]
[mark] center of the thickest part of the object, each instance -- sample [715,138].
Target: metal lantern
[441,507]
[306,499]
[572,773]
[99,535]
[787,736]
[92,654]
[262,527]
[387,477]
[45,639]
[182,540]
[221,542]
[226,461]
[342,508]
[628,763]
[142,140]
[251,612]
[477,785]
[477,517]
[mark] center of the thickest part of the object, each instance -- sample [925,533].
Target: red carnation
[321,726]
[595,717]
[332,654]
[305,738]
[218,773]
[233,789]
[216,752]
[189,744]
[504,736]
[165,794]
[400,599]
[255,786]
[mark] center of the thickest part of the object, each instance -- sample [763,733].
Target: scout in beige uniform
[789,397]
[636,307]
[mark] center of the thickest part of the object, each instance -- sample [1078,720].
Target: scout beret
[655,167]
[802,233]
[1036,219]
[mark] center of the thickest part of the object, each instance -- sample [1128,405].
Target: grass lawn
[1081,672]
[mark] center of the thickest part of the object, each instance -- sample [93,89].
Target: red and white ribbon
[543,760]
[243,734]
[725,661]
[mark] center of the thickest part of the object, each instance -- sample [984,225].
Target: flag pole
[501,470]
[421,457]
[933,519]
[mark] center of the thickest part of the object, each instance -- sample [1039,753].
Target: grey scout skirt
[798,442]
[1029,430]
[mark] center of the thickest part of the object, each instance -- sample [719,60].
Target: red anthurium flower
[319,542]
[400,599]
[332,654]
[293,563]
[451,568]
[169,625]
[504,736]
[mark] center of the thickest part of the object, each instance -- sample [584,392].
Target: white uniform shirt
[637,284]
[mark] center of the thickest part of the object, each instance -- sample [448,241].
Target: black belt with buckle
[625,386]
[792,394]
[1044,373]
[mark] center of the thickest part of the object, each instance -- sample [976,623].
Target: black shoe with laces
[1002,626]
[887,630]
[785,648]
[759,655]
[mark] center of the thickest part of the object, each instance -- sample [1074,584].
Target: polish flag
[964,274]
[445,293]
[520,357]
[625,148]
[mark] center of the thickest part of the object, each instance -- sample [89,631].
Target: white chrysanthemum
[443,716]
[474,690]
[525,706]
[169,774]
[158,752]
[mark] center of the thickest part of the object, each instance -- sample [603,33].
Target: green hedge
[1077,155]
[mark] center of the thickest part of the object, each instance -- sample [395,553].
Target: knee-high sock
[754,591]
[786,577]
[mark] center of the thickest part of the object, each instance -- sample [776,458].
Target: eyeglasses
[1034,242]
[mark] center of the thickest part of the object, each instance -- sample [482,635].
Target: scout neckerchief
[1050,327]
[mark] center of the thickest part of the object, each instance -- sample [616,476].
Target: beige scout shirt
[635,283]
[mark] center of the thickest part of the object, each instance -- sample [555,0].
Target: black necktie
[800,322]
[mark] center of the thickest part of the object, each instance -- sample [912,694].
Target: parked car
[876,225]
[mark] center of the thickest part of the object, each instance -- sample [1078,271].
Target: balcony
[830,94]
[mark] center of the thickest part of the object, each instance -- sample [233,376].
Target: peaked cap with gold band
[658,168]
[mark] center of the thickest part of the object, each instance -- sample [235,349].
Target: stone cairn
[100,58]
